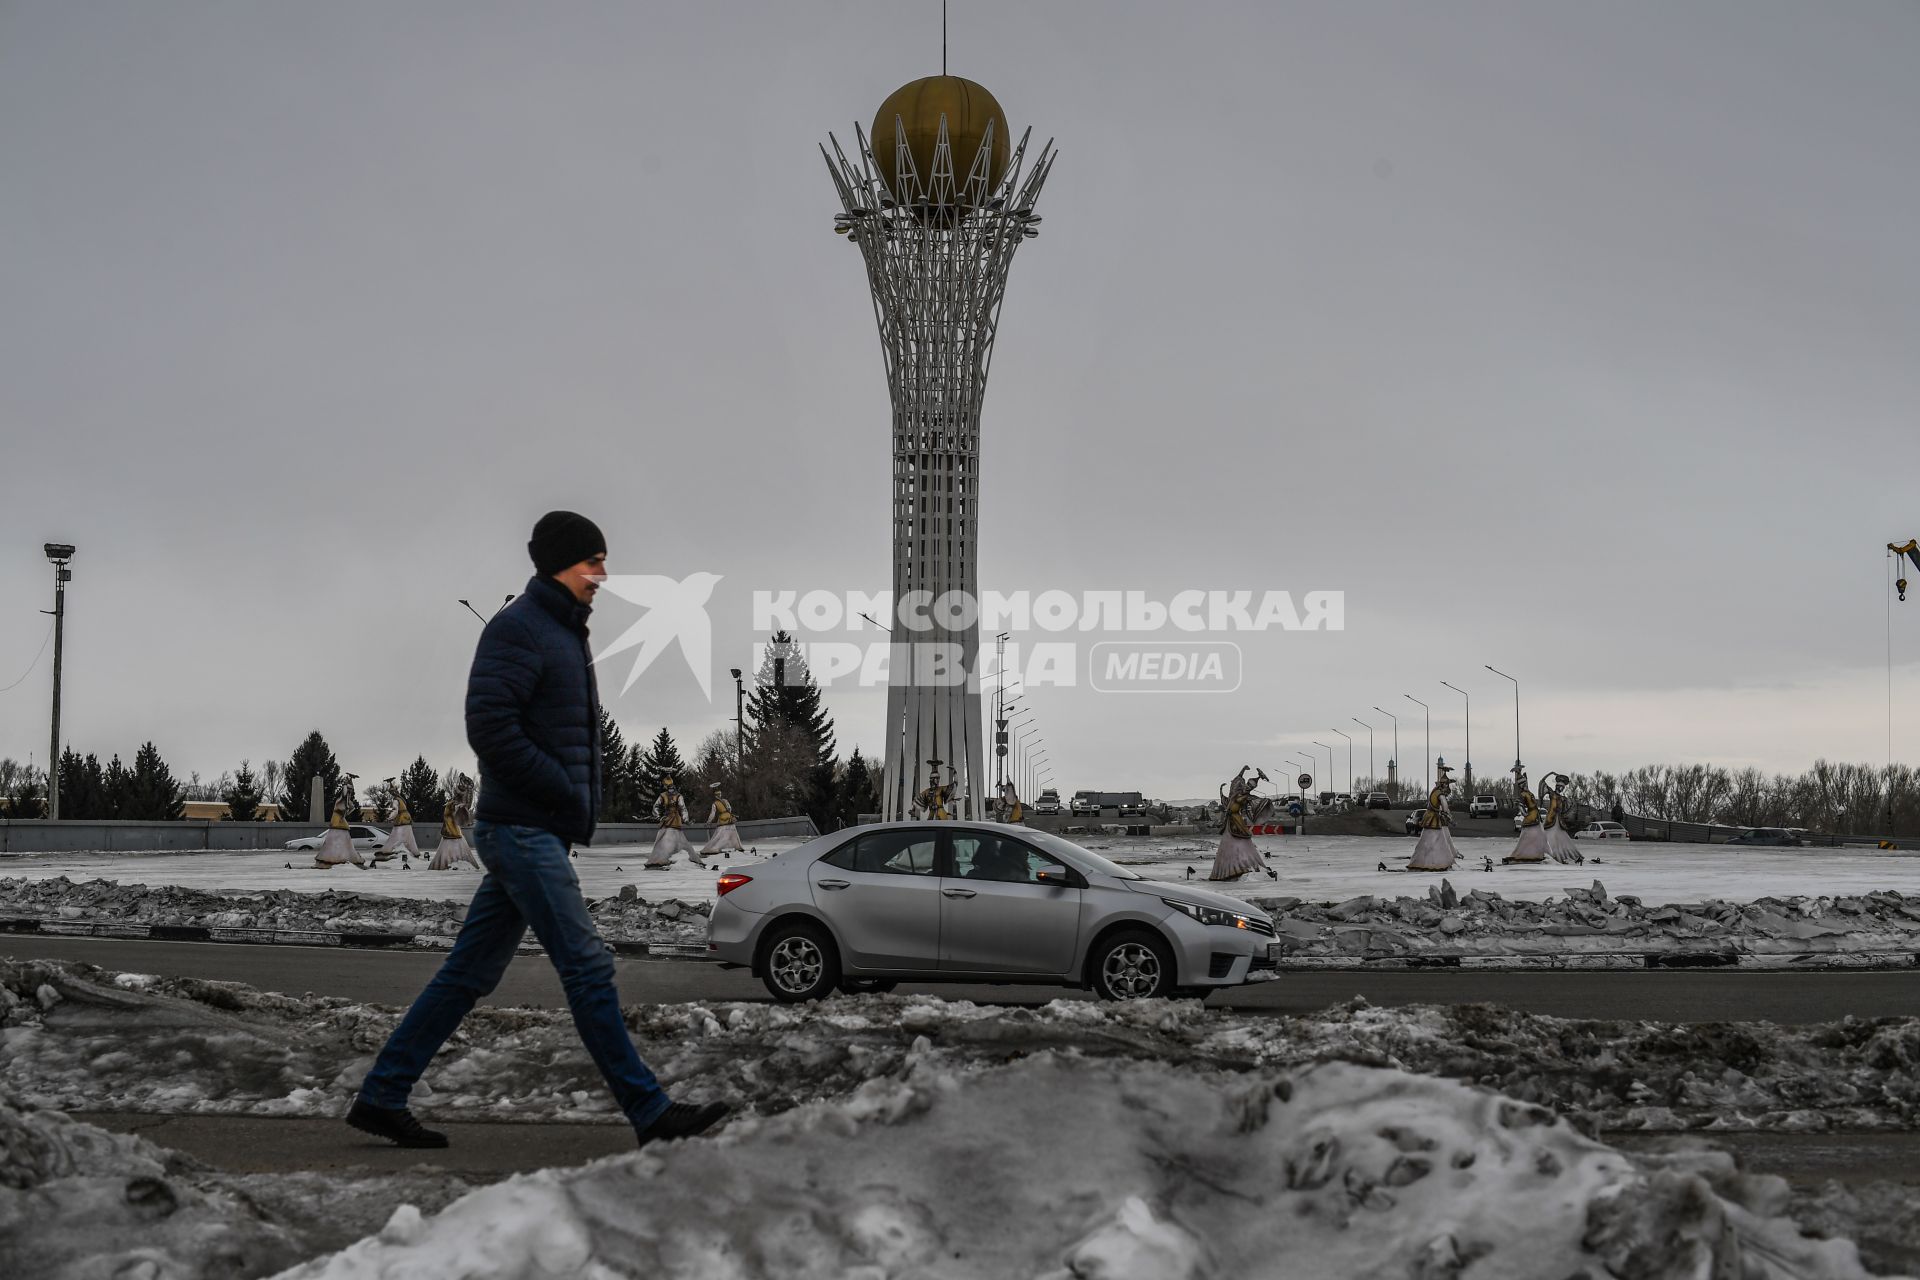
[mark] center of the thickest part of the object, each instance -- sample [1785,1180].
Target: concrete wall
[38,835]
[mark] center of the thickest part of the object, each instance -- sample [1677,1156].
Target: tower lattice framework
[937,248]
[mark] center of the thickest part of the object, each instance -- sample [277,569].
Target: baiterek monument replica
[938,198]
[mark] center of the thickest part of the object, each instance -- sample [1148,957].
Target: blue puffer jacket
[533,715]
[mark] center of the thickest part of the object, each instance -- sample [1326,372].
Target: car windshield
[1084,857]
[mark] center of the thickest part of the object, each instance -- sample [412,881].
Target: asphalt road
[395,977]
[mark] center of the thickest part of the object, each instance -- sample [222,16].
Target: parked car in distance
[1483,807]
[868,907]
[366,839]
[1778,836]
[1133,811]
[1049,801]
[1086,805]
[1602,831]
[1376,800]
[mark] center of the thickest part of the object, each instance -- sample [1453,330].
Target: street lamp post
[1329,750]
[739,735]
[1393,765]
[1468,771]
[1426,771]
[1343,733]
[60,553]
[1372,774]
[1516,711]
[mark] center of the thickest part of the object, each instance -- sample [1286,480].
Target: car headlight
[1209,915]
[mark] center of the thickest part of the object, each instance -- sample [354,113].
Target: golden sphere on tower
[917,107]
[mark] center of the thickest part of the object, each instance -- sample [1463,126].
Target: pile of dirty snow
[1058,1168]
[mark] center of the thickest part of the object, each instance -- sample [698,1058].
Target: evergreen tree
[311,759]
[785,698]
[660,762]
[619,791]
[153,794]
[116,786]
[857,794]
[243,795]
[420,788]
[76,799]
[27,801]
[784,693]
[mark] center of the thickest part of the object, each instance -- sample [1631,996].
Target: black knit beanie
[563,539]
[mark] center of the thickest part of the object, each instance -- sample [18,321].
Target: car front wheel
[801,963]
[1133,965]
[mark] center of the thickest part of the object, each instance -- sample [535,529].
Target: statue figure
[399,840]
[1560,843]
[1240,809]
[1435,851]
[931,803]
[670,811]
[1007,808]
[725,836]
[336,843]
[454,848]
[1532,845]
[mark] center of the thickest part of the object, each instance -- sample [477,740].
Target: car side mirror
[1052,874]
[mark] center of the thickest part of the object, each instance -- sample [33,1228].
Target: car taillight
[731,881]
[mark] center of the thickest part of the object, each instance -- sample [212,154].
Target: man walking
[533,719]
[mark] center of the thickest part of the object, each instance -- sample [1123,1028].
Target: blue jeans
[529,883]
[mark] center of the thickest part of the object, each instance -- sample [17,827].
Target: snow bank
[623,916]
[1057,1168]
[78,1201]
[75,1037]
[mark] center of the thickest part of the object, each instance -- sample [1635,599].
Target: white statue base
[336,847]
[1561,846]
[725,839]
[670,841]
[1531,847]
[1434,851]
[1236,856]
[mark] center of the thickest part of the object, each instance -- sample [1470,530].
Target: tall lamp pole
[1373,775]
[1516,711]
[1343,733]
[59,553]
[739,735]
[1426,770]
[1394,764]
[1329,750]
[1469,769]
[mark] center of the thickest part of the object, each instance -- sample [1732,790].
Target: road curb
[359,939]
[1806,961]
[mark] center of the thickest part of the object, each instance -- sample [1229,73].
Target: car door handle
[958,893]
[831,884]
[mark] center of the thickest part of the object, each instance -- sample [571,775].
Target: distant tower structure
[938,200]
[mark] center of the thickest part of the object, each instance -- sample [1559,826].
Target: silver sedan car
[863,909]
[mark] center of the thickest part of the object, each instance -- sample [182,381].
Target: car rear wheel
[801,963]
[1133,965]
[867,986]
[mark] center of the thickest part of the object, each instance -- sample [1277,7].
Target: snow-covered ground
[910,1136]
[1312,868]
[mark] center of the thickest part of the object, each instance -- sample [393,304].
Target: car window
[981,855]
[361,833]
[908,853]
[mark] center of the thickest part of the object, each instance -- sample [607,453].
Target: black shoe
[684,1120]
[396,1125]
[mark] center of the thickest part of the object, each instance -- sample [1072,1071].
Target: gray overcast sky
[1574,338]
